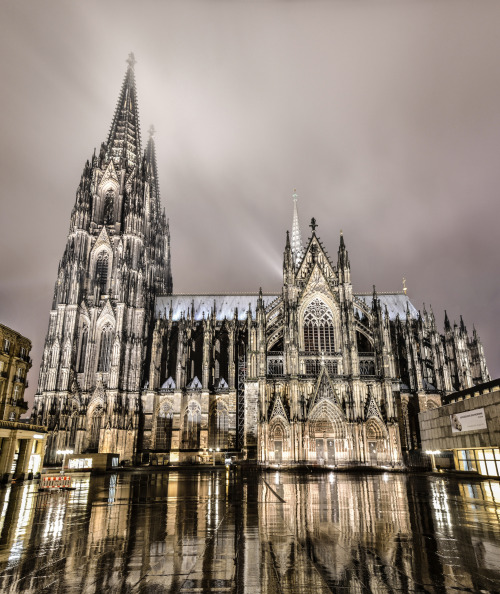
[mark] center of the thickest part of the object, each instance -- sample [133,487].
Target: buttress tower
[116,261]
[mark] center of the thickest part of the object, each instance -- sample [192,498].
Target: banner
[472,420]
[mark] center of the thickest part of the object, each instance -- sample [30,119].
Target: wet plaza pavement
[188,531]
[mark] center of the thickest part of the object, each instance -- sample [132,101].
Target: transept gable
[315,255]
[317,283]
[324,391]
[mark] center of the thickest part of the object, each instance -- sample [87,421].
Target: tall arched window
[109,207]
[219,425]
[105,348]
[101,271]
[72,430]
[83,349]
[163,438]
[95,429]
[192,421]
[318,329]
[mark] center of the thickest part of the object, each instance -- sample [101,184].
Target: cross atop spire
[297,247]
[313,224]
[151,131]
[124,141]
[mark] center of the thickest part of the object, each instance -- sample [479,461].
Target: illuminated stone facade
[313,373]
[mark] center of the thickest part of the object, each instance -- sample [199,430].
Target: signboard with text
[472,420]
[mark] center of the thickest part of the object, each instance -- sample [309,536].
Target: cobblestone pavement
[189,531]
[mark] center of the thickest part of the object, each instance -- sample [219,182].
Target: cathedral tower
[116,261]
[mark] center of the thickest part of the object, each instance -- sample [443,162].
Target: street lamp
[433,453]
[213,454]
[63,453]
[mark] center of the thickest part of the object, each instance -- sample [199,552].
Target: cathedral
[312,374]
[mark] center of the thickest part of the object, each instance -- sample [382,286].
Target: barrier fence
[55,482]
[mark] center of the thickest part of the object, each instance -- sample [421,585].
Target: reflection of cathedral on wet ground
[252,533]
[313,373]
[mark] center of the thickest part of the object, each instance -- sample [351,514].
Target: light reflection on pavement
[209,531]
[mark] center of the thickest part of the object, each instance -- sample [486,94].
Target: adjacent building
[468,424]
[22,445]
[311,373]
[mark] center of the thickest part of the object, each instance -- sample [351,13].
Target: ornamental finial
[313,224]
[404,286]
[131,61]
[295,196]
[151,131]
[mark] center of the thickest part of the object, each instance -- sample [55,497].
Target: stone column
[23,461]
[7,457]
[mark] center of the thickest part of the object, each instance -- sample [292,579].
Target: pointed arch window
[219,425]
[192,422]
[101,271]
[319,336]
[105,349]
[95,429]
[163,437]
[83,349]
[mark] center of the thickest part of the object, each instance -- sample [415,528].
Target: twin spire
[124,140]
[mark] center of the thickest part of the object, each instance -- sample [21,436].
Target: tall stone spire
[297,247]
[124,139]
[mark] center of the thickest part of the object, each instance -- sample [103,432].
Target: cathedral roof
[396,304]
[204,304]
[225,304]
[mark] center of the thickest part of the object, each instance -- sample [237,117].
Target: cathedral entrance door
[320,451]
[330,445]
[372,449]
[278,451]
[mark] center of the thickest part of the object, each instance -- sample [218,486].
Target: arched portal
[279,439]
[376,439]
[328,443]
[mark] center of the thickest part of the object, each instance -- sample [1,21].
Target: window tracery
[101,270]
[319,334]
[105,349]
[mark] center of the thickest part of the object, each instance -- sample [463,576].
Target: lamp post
[433,453]
[63,453]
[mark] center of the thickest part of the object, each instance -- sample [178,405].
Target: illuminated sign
[77,463]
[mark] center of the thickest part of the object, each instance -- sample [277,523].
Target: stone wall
[435,426]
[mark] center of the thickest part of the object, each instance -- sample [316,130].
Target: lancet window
[319,336]
[163,439]
[95,429]
[192,421]
[101,271]
[83,349]
[105,348]
[219,426]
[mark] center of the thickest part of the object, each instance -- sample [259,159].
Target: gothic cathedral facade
[313,374]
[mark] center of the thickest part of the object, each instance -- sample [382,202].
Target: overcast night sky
[385,115]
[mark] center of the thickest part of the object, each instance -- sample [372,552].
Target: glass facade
[485,461]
